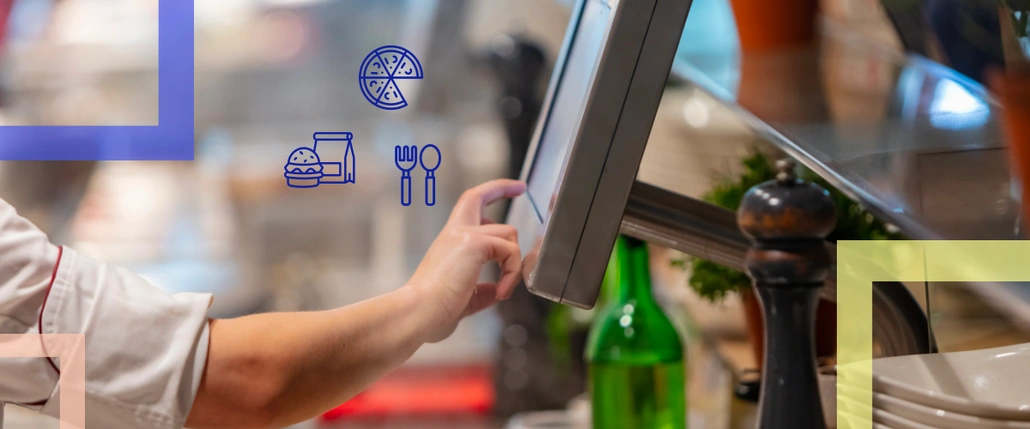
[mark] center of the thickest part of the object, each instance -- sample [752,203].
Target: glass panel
[977,316]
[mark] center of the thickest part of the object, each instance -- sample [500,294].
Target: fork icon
[405,157]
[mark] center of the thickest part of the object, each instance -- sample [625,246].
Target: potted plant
[714,282]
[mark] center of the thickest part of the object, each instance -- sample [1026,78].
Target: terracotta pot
[1013,89]
[764,24]
[755,327]
[825,327]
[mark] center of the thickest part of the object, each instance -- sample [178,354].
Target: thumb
[485,296]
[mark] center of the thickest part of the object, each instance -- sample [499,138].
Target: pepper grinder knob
[787,221]
[785,171]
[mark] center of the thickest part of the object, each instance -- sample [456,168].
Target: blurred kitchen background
[269,73]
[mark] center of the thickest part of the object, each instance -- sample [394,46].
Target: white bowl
[943,419]
[897,422]
[852,421]
[857,412]
[992,383]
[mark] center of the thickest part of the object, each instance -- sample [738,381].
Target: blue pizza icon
[380,72]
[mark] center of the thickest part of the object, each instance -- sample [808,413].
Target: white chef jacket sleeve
[145,349]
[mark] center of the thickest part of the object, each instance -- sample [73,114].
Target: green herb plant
[713,281]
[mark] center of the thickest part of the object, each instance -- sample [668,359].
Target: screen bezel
[572,246]
[558,79]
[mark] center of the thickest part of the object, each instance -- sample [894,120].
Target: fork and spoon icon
[406,157]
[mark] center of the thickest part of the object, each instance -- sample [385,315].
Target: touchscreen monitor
[603,95]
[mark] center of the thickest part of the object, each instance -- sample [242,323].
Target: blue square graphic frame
[172,137]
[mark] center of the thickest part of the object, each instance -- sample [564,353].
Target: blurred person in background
[155,360]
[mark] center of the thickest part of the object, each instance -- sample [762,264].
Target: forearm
[280,368]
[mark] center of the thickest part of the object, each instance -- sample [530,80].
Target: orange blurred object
[1013,89]
[422,391]
[777,86]
[764,25]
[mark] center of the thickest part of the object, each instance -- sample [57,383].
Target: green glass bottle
[637,375]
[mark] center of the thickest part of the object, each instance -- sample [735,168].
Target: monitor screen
[567,109]
[604,92]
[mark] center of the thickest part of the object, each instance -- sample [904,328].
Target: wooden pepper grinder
[787,221]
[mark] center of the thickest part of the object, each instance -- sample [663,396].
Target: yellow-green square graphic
[860,263]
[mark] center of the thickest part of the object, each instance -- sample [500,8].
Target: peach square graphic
[71,350]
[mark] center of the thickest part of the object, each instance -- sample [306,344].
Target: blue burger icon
[303,169]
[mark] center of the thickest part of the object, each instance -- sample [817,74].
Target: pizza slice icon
[408,68]
[375,67]
[391,98]
[392,58]
[379,71]
[373,88]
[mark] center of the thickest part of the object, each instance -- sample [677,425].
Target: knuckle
[472,241]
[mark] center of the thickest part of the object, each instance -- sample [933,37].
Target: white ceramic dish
[854,408]
[851,421]
[897,422]
[857,410]
[943,419]
[992,383]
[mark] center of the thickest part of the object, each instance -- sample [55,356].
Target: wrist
[421,308]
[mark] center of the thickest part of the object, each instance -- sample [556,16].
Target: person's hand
[446,278]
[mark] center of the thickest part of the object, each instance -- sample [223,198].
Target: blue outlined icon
[303,169]
[379,74]
[307,169]
[336,146]
[434,152]
[172,138]
[405,157]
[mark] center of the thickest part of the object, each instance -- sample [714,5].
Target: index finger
[469,210]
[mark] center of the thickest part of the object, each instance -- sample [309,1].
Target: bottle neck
[633,270]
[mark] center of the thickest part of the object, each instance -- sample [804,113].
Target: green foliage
[713,281]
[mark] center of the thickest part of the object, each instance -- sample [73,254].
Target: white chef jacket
[145,349]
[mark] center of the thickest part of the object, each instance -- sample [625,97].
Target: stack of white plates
[987,388]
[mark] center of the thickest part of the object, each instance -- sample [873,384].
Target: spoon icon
[430,171]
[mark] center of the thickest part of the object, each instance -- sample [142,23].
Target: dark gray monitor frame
[565,256]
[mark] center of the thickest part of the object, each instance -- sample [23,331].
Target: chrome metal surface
[696,228]
[678,222]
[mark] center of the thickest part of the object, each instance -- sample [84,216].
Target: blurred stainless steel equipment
[525,347]
[48,193]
